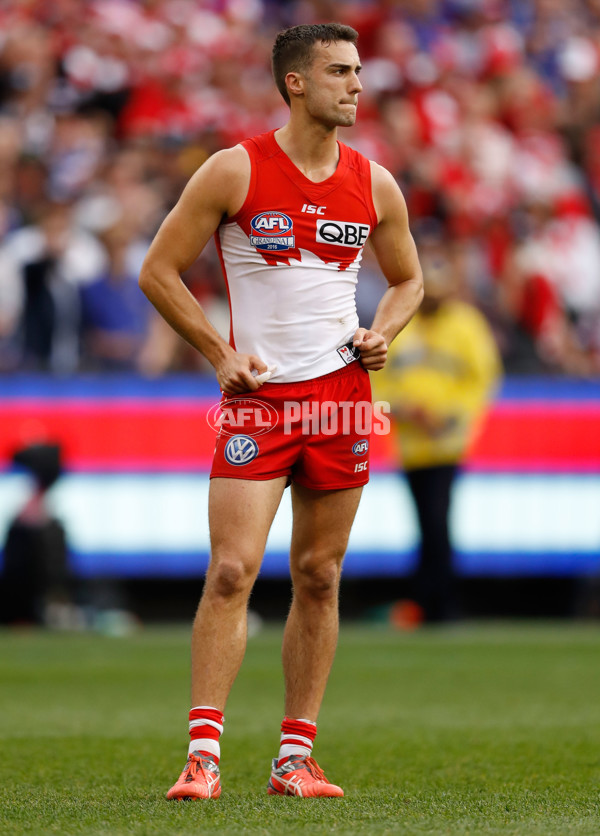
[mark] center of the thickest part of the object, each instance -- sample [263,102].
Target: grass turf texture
[481,729]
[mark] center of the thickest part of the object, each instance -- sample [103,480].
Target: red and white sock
[206,727]
[297,738]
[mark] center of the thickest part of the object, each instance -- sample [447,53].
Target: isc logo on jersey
[272,231]
[342,233]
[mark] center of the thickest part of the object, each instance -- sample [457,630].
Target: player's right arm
[216,190]
[397,256]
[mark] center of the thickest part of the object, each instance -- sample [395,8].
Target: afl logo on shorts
[241,449]
[361,447]
[272,231]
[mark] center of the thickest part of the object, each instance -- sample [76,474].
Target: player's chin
[346,120]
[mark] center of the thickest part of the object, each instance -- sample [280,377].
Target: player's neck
[313,150]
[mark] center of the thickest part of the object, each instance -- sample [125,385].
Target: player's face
[331,85]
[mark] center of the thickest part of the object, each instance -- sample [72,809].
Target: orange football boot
[200,779]
[301,776]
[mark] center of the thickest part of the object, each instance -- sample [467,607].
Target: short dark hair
[292,50]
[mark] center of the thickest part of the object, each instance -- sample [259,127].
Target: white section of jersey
[295,316]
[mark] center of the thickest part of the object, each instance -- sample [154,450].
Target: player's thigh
[240,514]
[322,524]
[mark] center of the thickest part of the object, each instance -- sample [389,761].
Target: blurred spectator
[44,265]
[114,311]
[441,373]
[35,577]
[554,282]
[485,110]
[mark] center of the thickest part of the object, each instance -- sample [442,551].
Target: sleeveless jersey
[290,259]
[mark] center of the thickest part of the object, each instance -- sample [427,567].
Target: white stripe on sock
[205,744]
[306,740]
[195,723]
[293,749]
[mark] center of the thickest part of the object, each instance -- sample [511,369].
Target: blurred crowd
[486,111]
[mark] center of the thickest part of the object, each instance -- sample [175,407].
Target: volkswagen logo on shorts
[361,447]
[241,449]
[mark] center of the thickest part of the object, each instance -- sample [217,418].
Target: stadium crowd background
[486,111]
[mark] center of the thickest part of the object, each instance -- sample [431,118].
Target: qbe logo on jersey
[241,449]
[272,231]
[342,233]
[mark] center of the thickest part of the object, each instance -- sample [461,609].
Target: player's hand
[235,374]
[373,349]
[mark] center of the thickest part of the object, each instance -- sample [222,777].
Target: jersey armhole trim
[251,185]
[368,187]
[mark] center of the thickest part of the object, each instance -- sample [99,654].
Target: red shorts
[317,432]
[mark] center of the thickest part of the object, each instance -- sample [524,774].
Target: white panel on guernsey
[268,319]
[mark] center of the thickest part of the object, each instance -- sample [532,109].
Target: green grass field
[479,729]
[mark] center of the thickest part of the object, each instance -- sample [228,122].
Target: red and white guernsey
[290,258]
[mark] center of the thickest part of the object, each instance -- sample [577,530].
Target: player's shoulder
[228,162]
[222,179]
[387,197]
[382,178]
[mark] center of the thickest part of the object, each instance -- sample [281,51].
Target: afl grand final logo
[241,449]
[272,231]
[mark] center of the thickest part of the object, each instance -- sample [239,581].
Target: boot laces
[314,769]
[194,763]
[191,767]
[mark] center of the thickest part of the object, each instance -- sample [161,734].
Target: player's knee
[317,580]
[230,578]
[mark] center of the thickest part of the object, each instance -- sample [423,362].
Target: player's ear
[295,84]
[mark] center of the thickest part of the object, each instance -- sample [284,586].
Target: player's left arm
[397,256]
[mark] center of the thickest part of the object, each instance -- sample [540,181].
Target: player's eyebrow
[341,66]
